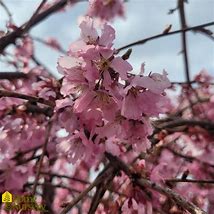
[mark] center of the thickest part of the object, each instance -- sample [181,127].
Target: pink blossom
[121,66]
[78,147]
[106,9]
[13,177]
[131,206]
[63,103]
[156,83]
[131,106]
[112,146]
[83,101]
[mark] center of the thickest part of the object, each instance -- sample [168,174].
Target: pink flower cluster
[109,106]
[106,9]
[102,105]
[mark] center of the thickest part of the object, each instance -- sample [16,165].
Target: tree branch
[106,171]
[12,75]
[5,93]
[142,183]
[183,36]
[208,125]
[65,176]
[188,157]
[6,9]
[143,41]
[44,149]
[11,37]
[179,180]
[100,191]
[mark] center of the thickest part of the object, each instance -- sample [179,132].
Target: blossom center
[103,97]
[103,64]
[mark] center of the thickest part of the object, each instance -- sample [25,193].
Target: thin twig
[11,37]
[44,149]
[21,153]
[205,124]
[97,181]
[188,157]
[143,41]
[65,176]
[100,191]
[56,186]
[178,180]
[192,82]
[205,32]
[45,43]
[6,10]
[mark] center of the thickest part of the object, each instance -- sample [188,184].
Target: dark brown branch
[24,161]
[44,149]
[56,186]
[11,37]
[188,157]
[6,9]
[48,190]
[205,32]
[20,159]
[184,40]
[35,109]
[12,75]
[106,171]
[30,108]
[35,14]
[65,176]
[142,183]
[5,93]
[143,41]
[208,125]
[100,191]
[192,82]
[178,180]
[18,154]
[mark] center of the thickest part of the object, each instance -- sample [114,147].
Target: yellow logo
[6,197]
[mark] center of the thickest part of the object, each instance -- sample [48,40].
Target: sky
[144,18]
